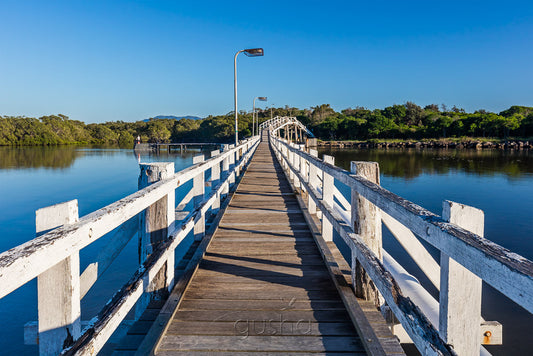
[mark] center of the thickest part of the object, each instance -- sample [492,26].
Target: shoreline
[467,144]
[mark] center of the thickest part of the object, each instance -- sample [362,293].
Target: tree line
[406,121]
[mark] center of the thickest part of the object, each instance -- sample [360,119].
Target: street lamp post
[254,120]
[252,52]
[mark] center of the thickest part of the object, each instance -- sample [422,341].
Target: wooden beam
[460,289]
[58,288]
[366,222]
[328,185]
[199,191]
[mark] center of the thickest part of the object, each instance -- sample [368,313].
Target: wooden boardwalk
[262,285]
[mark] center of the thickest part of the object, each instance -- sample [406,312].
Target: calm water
[500,183]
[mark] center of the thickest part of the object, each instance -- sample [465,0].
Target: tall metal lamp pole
[252,52]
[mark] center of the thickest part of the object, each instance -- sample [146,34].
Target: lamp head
[254,52]
[262,98]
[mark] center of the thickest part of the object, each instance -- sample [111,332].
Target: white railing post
[313,182]
[291,154]
[297,167]
[303,168]
[215,180]
[366,222]
[58,289]
[460,289]
[327,197]
[232,165]
[156,224]
[199,191]
[225,171]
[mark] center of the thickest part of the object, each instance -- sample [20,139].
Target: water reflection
[37,157]
[62,157]
[411,163]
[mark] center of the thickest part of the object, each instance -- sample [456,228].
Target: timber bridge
[281,263]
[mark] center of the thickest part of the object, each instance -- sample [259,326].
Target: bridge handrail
[22,263]
[506,271]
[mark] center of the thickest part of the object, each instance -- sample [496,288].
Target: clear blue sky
[101,61]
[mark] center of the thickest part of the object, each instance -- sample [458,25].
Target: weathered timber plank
[216,270]
[294,304]
[252,245]
[233,281]
[262,292]
[261,286]
[304,316]
[281,231]
[262,249]
[260,219]
[261,238]
[286,328]
[278,260]
[261,343]
[252,353]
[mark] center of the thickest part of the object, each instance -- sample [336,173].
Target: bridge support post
[231,165]
[327,198]
[296,164]
[225,171]
[199,191]
[215,180]
[313,182]
[58,288]
[291,163]
[366,222]
[238,156]
[156,223]
[303,167]
[460,289]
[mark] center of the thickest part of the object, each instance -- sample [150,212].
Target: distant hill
[174,117]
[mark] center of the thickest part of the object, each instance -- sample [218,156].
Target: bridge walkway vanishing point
[262,285]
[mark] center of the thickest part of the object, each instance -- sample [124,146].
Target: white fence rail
[53,257]
[466,257]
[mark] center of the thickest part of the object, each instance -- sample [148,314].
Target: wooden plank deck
[262,286]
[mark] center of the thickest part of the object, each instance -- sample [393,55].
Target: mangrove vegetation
[404,122]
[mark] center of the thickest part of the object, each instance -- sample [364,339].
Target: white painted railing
[452,325]
[53,257]
[278,123]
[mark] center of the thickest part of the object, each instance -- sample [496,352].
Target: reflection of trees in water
[37,157]
[410,163]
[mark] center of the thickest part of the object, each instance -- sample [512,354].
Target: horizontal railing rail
[458,242]
[40,256]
